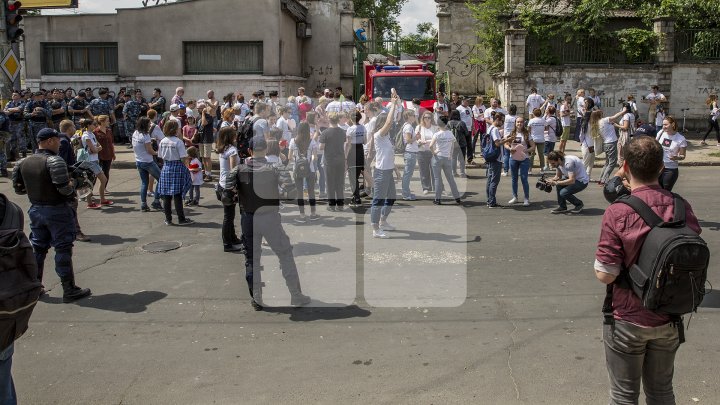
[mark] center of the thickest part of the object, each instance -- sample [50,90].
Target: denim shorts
[94,166]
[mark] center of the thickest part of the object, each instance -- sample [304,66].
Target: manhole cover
[162,246]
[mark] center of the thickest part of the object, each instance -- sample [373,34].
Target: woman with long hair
[425,131]
[713,119]
[303,150]
[145,162]
[104,135]
[175,178]
[609,142]
[332,143]
[627,129]
[674,147]
[519,147]
[384,192]
[228,157]
[442,145]
[90,143]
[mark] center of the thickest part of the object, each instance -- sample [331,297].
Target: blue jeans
[493,180]
[384,194]
[458,159]
[506,159]
[147,169]
[522,167]
[321,174]
[7,387]
[410,161]
[549,147]
[567,193]
[442,165]
[53,225]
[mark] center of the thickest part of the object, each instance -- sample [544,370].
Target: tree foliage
[423,40]
[383,13]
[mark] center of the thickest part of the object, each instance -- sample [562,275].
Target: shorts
[94,166]
[206,149]
[565,134]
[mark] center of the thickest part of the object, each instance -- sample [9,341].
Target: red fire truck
[411,79]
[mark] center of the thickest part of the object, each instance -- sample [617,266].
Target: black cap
[258,142]
[614,188]
[647,130]
[46,133]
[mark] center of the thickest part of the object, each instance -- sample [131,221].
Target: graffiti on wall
[708,90]
[318,76]
[459,63]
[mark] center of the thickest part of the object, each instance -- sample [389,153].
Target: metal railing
[697,45]
[582,51]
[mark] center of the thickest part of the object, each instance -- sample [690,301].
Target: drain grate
[162,246]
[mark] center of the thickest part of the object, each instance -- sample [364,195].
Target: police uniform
[58,109]
[131,111]
[18,142]
[4,142]
[256,183]
[45,179]
[78,104]
[36,120]
[100,106]
[160,107]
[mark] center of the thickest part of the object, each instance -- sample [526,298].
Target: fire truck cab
[411,79]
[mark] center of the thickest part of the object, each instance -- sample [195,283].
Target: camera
[543,185]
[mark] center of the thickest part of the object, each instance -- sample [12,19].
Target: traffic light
[12,20]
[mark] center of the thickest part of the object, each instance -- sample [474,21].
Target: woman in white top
[304,149]
[479,125]
[606,129]
[519,147]
[442,145]
[537,126]
[384,193]
[424,132]
[590,141]
[175,178]
[674,147]
[713,118]
[229,159]
[410,139]
[145,162]
[90,143]
[508,126]
[627,128]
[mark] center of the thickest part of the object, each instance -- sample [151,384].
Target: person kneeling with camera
[570,179]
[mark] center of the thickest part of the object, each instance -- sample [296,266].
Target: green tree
[384,14]
[423,40]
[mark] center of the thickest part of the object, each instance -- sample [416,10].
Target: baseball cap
[46,133]
[181,106]
[646,129]
[174,107]
[258,142]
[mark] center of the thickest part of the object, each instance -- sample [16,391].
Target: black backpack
[558,127]
[19,284]
[245,134]
[670,272]
[302,165]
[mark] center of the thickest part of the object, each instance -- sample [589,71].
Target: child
[196,174]
[659,117]
[189,131]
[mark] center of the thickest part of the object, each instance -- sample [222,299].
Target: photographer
[570,179]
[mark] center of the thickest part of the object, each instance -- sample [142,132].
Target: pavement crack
[510,348]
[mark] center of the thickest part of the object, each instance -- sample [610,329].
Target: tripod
[684,112]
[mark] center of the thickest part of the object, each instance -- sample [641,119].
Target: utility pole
[10,33]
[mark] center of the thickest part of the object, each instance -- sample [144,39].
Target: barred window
[223,57]
[79,58]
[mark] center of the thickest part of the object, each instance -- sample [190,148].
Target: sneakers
[559,210]
[185,221]
[458,201]
[301,219]
[168,223]
[233,248]
[94,206]
[463,176]
[513,200]
[504,174]
[426,192]
[188,203]
[380,234]
[578,208]
[495,206]
[107,202]
[331,208]
[156,206]
[385,226]
[526,203]
[437,202]
[410,198]
[145,208]
[81,237]
[299,299]
[150,194]
[314,217]
[703,143]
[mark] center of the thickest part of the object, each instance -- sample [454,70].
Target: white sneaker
[504,174]
[380,234]
[546,169]
[513,200]
[426,192]
[385,226]
[526,203]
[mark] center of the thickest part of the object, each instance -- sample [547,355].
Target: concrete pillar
[444,30]
[665,28]
[511,89]
[347,45]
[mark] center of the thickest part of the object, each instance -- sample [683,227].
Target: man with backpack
[641,333]
[492,144]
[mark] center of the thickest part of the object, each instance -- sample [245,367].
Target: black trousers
[177,199]
[668,177]
[299,182]
[228,226]
[335,178]
[105,166]
[713,125]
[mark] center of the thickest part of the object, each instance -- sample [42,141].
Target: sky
[414,11]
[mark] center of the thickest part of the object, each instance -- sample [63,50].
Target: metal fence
[583,51]
[697,45]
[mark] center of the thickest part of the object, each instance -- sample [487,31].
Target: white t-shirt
[156,133]
[426,135]
[437,107]
[607,130]
[495,133]
[347,106]
[283,124]
[370,128]
[580,106]
[564,119]
[521,148]
[659,117]
[197,177]
[356,134]
[384,152]
[671,146]
[478,112]
[225,164]
[333,106]
[550,133]
[261,127]
[534,101]
[90,137]
[466,116]
[138,142]
[171,148]
[537,129]
[444,141]
[308,154]
[244,111]
[575,165]
[631,119]
[509,124]
[654,96]
[412,146]
[488,115]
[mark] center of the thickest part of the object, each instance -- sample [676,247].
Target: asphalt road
[462,305]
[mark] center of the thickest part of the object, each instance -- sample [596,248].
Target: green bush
[637,44]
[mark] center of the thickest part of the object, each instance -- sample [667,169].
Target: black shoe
[578,209]
[495,206]
[145,209]
[71,292]
[157,206]
[168,223]
[459,201]
[299,300]
[255,305]
[559,210]
[185,221]
[437,202]
[234,248]
[314,217]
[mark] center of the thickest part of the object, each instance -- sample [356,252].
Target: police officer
[157,102]
[45,179]
[58,108]
[78,108]
[4,141]
[14,110]
[37,113]
[131,112]
[256,183]
[101,105]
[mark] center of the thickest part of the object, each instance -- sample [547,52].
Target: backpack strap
[645,212]
[678,211]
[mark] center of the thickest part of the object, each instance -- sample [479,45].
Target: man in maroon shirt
[639,344]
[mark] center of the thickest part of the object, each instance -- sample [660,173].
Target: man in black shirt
[332,142]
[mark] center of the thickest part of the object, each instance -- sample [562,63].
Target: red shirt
[622,234]
[105,139]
